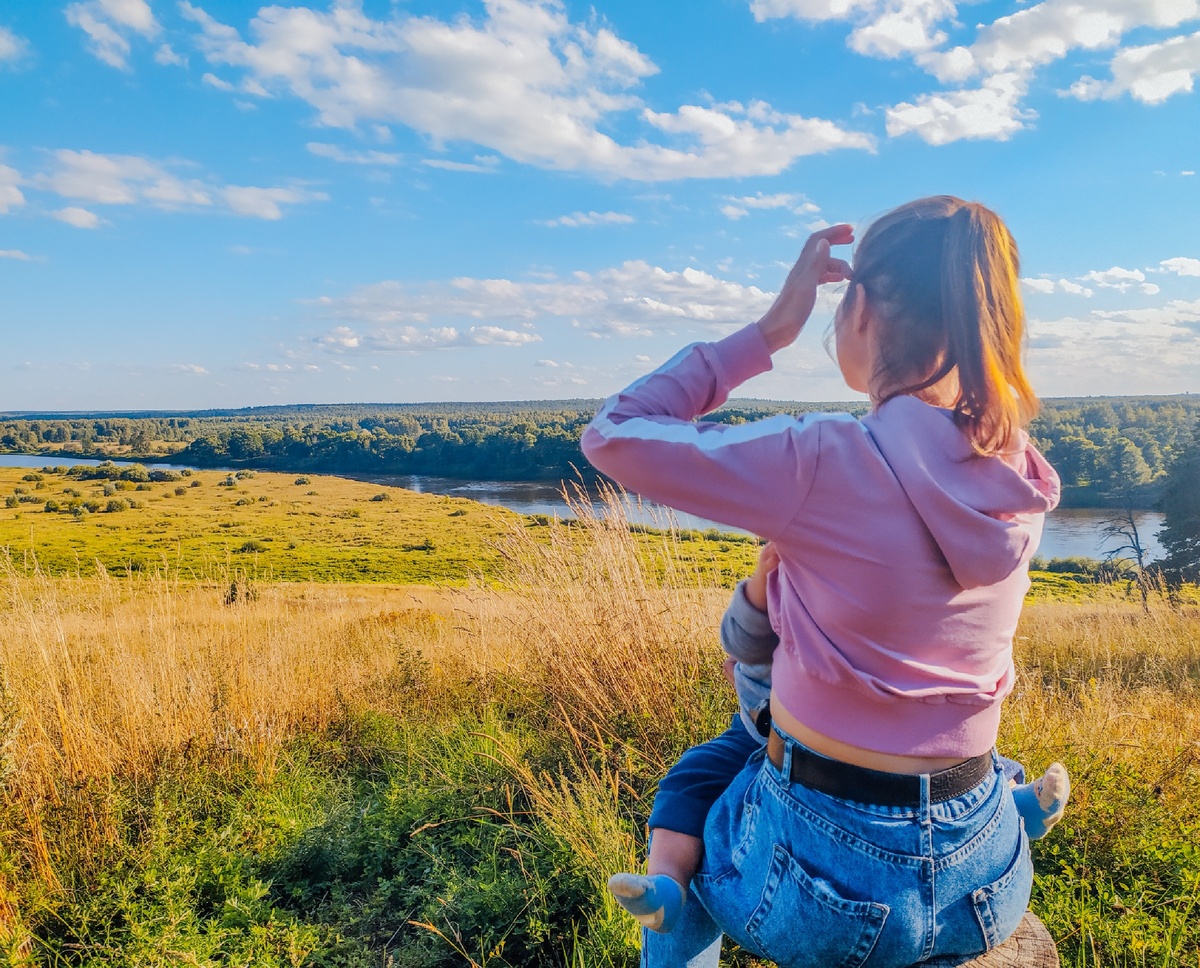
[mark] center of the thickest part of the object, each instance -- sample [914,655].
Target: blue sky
[217,204]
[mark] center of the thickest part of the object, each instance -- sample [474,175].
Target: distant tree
[1180,504]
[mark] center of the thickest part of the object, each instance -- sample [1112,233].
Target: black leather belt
[848,782]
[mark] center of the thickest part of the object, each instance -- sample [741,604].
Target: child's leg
[1042,802]
[681,806]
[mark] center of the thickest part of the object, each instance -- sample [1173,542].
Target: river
[1069,532]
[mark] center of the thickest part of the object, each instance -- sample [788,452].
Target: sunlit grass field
[408,768]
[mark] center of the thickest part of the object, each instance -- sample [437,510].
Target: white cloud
[12,47]
[484,164]
[81,218]
[190,369]
[14,254]
[1182,266]
[133,180]
[899,27]
[265,202]
[1187,172]
[108,24]
[1048,31]
[1142,350]
[992,110]
[1151,73]
[10,192]
[523,80]
[808,9]
[739,206]
[120,180]
[168,58]
[335,153]
[633,299]
[1047,286]
[213,81]
[589,218]
[395,339]
[1114,278]
[1149,289]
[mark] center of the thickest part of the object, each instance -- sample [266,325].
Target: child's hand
[756,585]
[794,304]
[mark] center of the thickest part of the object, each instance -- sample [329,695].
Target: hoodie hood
[984,513]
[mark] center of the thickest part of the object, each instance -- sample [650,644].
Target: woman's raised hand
[794,304]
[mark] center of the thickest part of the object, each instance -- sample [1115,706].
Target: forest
[1110,451]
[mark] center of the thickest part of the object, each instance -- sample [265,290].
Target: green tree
[1180,504]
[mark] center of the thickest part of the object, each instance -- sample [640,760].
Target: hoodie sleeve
[753,476]
[746,632]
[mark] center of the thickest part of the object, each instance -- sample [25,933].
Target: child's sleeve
[746,632]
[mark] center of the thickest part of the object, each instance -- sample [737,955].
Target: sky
[211,203]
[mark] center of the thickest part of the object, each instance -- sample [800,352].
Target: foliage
[1107,450]
[1180,504]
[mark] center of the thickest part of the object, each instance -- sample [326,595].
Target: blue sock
[655,900]
[1042,802]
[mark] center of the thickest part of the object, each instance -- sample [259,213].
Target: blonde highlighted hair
[943,276]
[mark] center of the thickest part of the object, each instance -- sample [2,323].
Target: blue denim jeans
[811,881]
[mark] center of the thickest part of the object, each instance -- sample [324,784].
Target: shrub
[144,487]
[251,547]
[32,477]
[382,496]
[163,477]
[196,483]
[242,502]
[301,481]
[50,506]
[116,504]
[11,501]
[180,491]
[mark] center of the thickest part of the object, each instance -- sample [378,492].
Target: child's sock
[655,900]
[1042,802]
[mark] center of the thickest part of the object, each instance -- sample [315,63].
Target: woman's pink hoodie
[903,554]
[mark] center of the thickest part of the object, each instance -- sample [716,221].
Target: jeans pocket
[801,920]
[1000,906]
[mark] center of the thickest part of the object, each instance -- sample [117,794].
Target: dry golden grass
[614,647]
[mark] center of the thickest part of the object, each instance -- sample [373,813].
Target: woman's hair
[942,276]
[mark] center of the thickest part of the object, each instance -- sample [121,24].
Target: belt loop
[926,798]
[786,766]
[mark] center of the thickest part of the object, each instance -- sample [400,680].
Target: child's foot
[655,900]
[1042,802]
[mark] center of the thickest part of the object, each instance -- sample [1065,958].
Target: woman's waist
[855,755]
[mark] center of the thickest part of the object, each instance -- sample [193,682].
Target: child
[657,899]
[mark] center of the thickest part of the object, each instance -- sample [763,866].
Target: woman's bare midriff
[837,750]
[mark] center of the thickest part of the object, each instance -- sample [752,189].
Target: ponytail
[944,278]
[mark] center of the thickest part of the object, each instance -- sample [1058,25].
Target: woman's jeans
[806,879]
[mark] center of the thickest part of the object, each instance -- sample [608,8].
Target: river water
[1069,532]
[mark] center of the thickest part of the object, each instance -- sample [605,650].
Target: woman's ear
[858,310]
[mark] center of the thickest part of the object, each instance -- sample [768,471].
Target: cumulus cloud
[12,47]
[81,218]
[265,202]
[992,110]
[334,153]
[738,206]
[133,180]
[168,58]
[10,192]
[396,339]
[1114,278]
[1182,266]
[634,299]
[1047,286]
[578,219]
[1141,350]
[522,80]
[14,254]
[1150,73]
[483,164]
[108,25]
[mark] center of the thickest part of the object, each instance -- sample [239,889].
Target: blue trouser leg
[695,941]
[698,779]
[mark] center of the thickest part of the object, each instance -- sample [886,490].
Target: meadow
[363,750]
